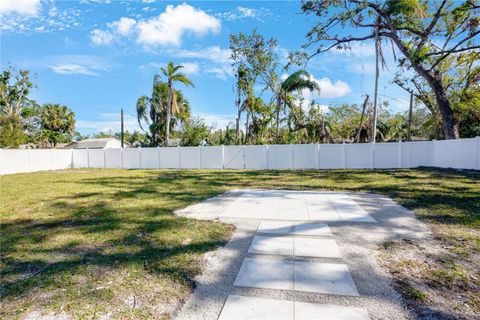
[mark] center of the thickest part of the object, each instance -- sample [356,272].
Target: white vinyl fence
[461,154]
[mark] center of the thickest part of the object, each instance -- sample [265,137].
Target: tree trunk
[410,115]
[434,79]
[357,139]
[450,129]
[239,114]
[169,107]
[247,127]
[375,94]
[278,117]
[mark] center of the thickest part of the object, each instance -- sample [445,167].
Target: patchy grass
[96,243]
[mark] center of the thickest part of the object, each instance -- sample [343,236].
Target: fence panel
[233,157]
[62,159]
[80,158]
[461,154]
[331,156]
[113,158]
[279,157]
[464,153]
[358,156]
[211,157]
[14,161]
[96,158]
[149,158]
[386,155]
[305,156]
[255,157]
[169,158]
[131,158]
[41,160]
[190,157]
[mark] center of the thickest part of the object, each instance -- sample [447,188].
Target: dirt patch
[434,282]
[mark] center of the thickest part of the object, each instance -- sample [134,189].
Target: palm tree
[296,82]
[173,75]
[153,110]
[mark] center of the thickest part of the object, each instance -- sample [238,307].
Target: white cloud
[109,122]
[219,72]
[124,26]
[214,53]
[169,27]
[190,67]
[220,65]
[242,13]
[247,12]
[100,37]
[217,121]
[70,68]
[77,64]
[22,7]
[329,89]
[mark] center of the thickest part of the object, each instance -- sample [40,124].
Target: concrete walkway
[299,255]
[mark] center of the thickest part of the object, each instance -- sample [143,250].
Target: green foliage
[11,131]
[194,133]
[57,123]
[153,111]
[14,90]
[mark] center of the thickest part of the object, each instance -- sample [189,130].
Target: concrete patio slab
[305,311]
[272,245]
[316,248]
[312,229]
[276,227]
[240,307]
[295,206]
[244,308]
[325,278]
[264,273]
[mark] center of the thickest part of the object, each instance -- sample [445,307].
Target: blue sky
[98,56]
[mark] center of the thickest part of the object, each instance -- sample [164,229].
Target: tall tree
[173,75]
[57,124]
[426,32]
[152,110]
[15,106]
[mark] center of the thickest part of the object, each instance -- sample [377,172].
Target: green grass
[91,242]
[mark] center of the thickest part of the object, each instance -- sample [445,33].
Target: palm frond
[141,108]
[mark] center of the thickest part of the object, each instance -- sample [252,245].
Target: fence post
[158,156]
[400,155]
[477,155]
[28,158]
[121,157]
[88,158]
[179,158]
[104,158]
[434,160]
[292,166]
[266,156]
[200,155]
[372,155]
[223,157]
[140,157]
[317,157]
[244,162]
[344,151]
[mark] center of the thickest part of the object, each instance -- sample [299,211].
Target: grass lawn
[93,243]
